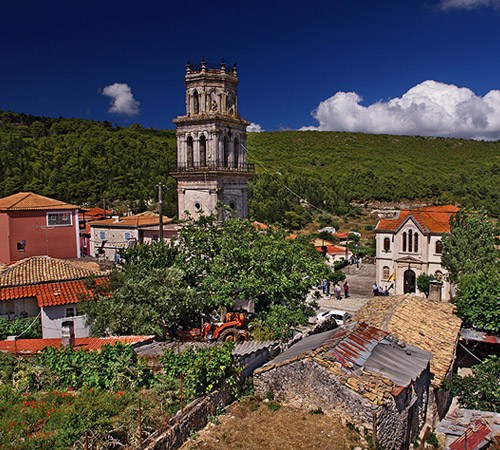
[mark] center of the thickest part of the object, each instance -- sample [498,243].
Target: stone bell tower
[211,144]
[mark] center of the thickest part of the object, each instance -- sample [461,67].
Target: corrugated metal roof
[474,438]
[156,349]
[360,347]
[32,346]
[457,421]
[304,345]
[473,335]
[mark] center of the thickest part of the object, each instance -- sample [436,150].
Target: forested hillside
[83,161]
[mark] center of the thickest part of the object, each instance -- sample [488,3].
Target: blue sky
[294,57]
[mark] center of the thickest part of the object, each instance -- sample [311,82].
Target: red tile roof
[42,269]
[49,294]
[432,219]
[139,220]
[28,201]
[33,346]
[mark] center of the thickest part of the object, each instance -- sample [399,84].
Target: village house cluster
[383,371]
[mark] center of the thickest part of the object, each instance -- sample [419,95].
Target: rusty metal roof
[362,348]
[480,336]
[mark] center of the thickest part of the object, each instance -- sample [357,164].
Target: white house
[110,235]
[47,287]
[410,245]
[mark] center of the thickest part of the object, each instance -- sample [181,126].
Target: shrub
[203,369]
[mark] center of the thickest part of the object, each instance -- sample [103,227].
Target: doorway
[409,282]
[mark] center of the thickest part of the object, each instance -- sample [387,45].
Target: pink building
[33,225]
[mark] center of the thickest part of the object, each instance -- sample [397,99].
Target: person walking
[346,290]
[323,286]
[338,291]
[375,289]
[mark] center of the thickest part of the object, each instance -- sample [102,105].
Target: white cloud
[468,4]
[429,109]
[122,101]
[254,128]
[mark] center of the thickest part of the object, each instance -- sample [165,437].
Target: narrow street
[360,282]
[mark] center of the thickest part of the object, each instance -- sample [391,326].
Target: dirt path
[255,425]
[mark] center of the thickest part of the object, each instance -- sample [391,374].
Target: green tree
[236,260]
[478,297]
[482,389]
[212,265]
[146,294]
[470,246]
[423,283]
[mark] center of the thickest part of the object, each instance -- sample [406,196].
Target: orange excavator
[232,328]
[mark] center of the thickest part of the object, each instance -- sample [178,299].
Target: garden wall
[191,419]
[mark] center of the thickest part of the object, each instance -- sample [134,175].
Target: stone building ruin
[211,144]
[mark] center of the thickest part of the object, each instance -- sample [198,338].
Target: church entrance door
[409,282]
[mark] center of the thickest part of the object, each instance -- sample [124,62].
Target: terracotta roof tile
[33,346]
[27,201]
[423,323]
[139,220]
[434,219]
[42,269]
[49,294]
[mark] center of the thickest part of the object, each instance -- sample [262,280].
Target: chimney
[116,218]
[68,333]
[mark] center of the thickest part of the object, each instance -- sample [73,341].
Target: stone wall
[191,419]
[308,385]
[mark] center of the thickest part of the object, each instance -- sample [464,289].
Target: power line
[30,325]
[284,185]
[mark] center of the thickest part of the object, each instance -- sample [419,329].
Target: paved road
[360,282]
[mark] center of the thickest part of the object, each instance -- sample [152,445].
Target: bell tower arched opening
[189,152]
[203,151]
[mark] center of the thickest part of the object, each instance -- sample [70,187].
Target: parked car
[340,316]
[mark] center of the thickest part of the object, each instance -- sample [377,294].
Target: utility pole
[160,208]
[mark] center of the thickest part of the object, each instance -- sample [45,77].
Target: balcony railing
[197,167]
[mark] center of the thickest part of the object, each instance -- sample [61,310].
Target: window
[410,241]
[439,247]
[70,312]
[387,244]
[102,235]
[404,241]
[127,236]
[415,243]
[59,219]
[385,273]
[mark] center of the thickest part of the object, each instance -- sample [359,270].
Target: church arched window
[385,273]
[415,242]
[410,240]
[387,244]
[404,241]
[439,247]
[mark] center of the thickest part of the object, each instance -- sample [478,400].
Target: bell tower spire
[211,143]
